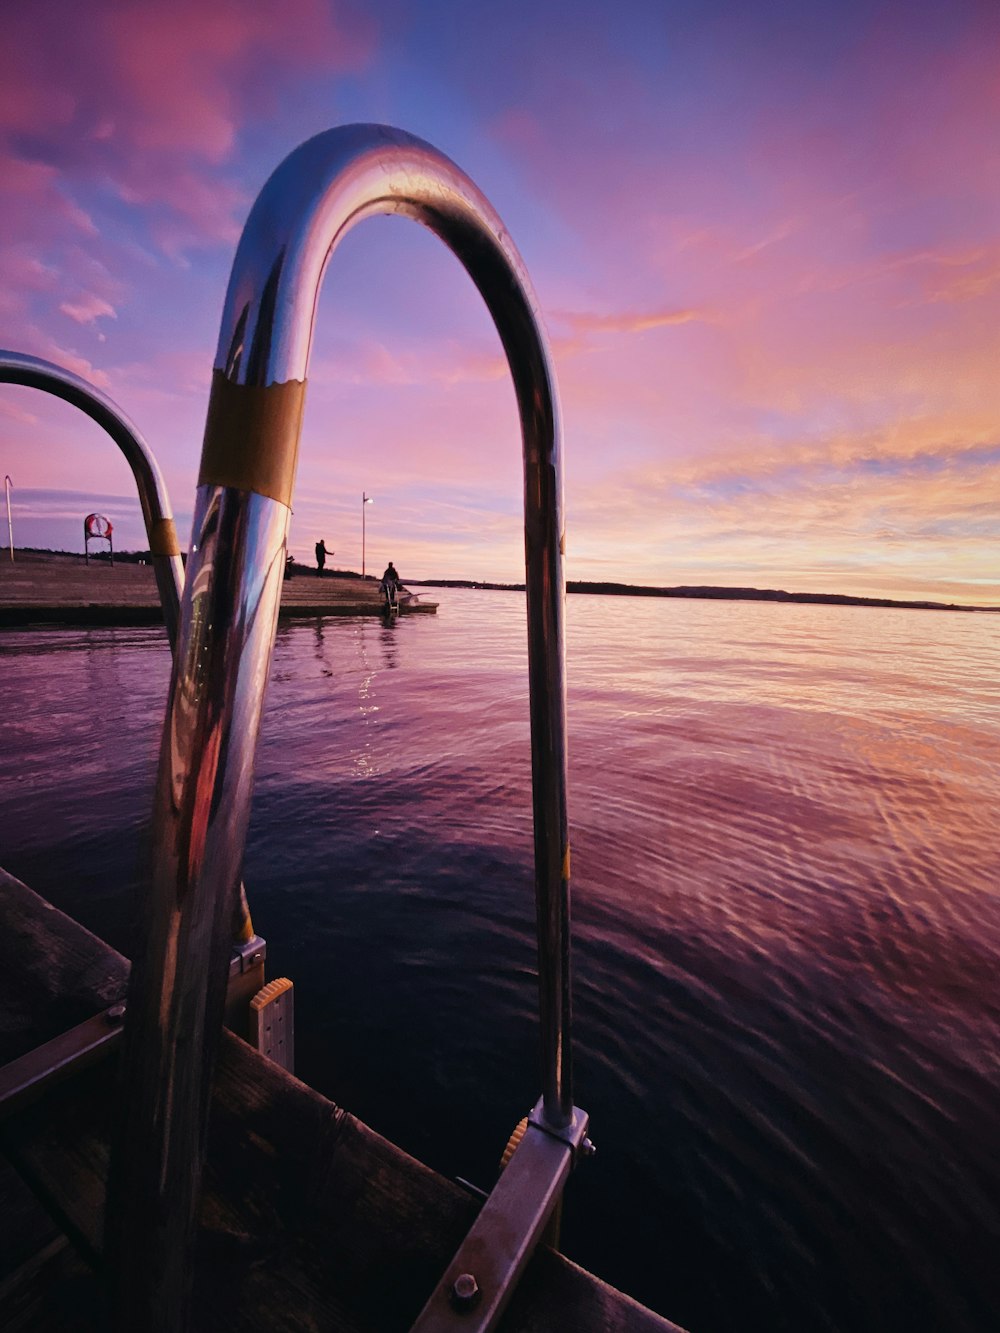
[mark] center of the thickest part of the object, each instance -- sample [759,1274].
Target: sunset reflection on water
[785,853]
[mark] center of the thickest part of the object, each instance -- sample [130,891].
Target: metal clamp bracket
[482,1277]
[248,955]
[573,1134]
[32,1074]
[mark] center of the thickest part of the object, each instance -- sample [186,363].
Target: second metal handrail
[33,372]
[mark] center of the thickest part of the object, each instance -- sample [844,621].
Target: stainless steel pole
[365,500]
[227,627]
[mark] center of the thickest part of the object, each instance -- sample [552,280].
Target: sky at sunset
[765,239]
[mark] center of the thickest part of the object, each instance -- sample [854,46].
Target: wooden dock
[309,1220]
[65,590]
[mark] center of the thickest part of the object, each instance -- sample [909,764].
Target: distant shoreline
[706,592]
[711,593]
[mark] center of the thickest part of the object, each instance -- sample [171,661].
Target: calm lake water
[786,848]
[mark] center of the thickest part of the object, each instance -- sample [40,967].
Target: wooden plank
[53,1293]
[44,1285]
[309,1220]
[54,974]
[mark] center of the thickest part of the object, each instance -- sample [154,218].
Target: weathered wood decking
[65,590]
[309,1220]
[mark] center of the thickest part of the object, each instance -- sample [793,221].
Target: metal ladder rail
[33,372]
[227,629]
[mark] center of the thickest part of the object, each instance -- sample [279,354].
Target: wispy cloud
[627,321]
[443,361]
[36,342]
[145,103]
[88,309]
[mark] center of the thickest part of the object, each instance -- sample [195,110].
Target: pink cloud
[964,277]
[174,79]
[149,98]
[446,361]
[14,412]
[587,328]
[22,275]
[918,532]
[36,342]
[626,321]
[190,71]
[199,211]
[34,204]
[88,309]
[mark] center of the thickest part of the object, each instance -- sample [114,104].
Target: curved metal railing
[226,634]
[34,373]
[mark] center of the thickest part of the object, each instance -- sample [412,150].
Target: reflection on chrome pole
[226,633]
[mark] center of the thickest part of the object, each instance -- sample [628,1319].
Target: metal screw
[115,1014]
[587,1148]
[465,1291]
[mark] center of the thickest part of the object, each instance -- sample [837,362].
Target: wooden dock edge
[309,1219]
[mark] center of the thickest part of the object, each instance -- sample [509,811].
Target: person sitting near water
[390,584]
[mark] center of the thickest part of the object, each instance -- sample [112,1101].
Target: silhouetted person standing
[389,587]
[390,579]
[321,554]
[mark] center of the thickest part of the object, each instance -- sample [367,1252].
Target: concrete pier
[47,589]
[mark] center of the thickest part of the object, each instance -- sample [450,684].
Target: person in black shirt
[390,584]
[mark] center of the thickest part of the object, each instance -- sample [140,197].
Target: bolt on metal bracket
[481,1278]
[248,955]
[573,1134]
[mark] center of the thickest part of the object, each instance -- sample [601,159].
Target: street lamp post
[8,486]
[365,500]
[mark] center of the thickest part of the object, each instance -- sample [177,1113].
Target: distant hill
[585,586]
[713,593]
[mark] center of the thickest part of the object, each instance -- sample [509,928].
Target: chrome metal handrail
[227,628]
[34,373]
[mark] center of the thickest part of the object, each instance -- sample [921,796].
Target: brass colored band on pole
[243,931]
[252,437]
[163,538]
